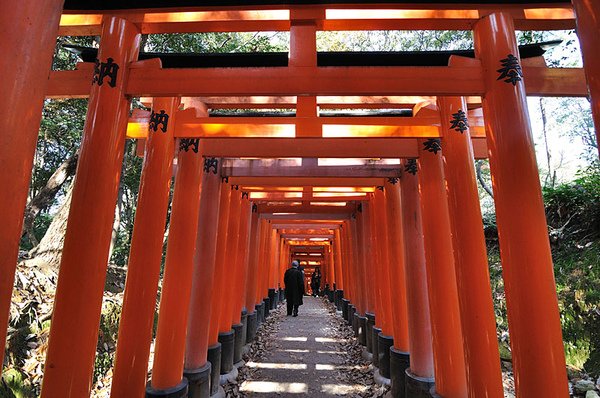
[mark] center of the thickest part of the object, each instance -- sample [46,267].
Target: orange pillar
[397,276]
[371,262]
[538,356]
[196,346]
[231,259]
[78,299]
[447,334]
[243,248]
[143,270]
[27,29]
[349,293]
[419,328]
[169,347]
[220,274]
[251,282]
[470,255]
[588,26]
[384,260]
[362,245]
[339,261]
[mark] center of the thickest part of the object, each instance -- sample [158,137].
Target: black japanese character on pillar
[211,163]
[254,208]
[224,180]
[159,119]
[511,71]
[433,145]
[393,180]
[380,187]
[186,144]
[411,166]
[235,187]
[359,208]
[459,122]
[105,69]
[245,195]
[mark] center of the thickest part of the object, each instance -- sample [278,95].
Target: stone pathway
[312,355]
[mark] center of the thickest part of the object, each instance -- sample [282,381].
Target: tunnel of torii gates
[397,232]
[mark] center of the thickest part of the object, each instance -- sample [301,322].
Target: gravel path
[312,355]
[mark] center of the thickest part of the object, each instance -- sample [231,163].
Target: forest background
[567,156]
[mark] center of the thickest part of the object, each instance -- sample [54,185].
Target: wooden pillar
[339,261]
[362,246]
[244,249]
[230,259]
[219,283]
[251,282]
[372,261]
[27,37]
[419,327]
[538,355]
[143,267]
[169,347]
[381,232]
[447,334]
[78,299]
[196,347]
[587,13]
[397,275]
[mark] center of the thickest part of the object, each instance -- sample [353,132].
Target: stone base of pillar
[379,379]
[179,391]
[385,343]
[375,342]
[418,387]
[272,299]
[339,300]
[230,377]
[214,357]
[281,295]
[227,340]
[433,393]
[369,334]
[238,342]
[355,316]
[244,321]
[399,362]
[251,326]
[199,381]
[260,313]
[220,393]
[362,330]
[266,306]
[345,305]
[367,356]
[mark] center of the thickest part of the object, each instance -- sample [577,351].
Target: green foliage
[107,338]
[14,385]
[395,40]
[217,42]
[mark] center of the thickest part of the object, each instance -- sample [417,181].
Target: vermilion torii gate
[402,243]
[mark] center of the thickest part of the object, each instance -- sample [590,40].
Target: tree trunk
[46,196]
[481,180]
[49,250]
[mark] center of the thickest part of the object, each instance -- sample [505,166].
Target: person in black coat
[294,288]
[315,283]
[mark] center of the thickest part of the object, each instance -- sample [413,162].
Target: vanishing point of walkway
[314,355]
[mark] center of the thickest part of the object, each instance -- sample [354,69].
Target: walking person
[294,288]
[315,282]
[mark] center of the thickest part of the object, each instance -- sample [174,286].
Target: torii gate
[450,221]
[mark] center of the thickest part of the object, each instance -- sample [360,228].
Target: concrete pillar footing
[251,326]
[399,362]
[418,387]
[179,391]
[361,330]
[238,341]
[199,381]
[383,350]
[375,342]
[367,356]
[229,377]
[227,340]
[214,357]
[379,379]
[220,393]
